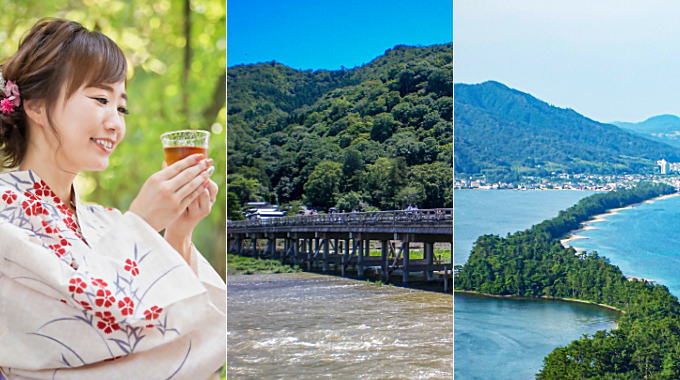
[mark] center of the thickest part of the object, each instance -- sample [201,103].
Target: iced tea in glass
[180,144]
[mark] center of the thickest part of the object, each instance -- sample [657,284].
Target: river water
[311,326]
[503,338]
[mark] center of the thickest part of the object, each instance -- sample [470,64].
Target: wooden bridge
[342,241]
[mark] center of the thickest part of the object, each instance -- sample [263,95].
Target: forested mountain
[664,128]
[373,137]
[646,344]
[505,133]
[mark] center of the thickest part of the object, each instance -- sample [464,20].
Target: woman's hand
[167,194]
[178,233]
[198,209]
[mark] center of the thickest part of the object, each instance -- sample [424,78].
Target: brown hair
[56,55]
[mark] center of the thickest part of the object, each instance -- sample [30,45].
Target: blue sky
[607,59]
[328,34]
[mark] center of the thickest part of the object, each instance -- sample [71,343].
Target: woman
[88,292]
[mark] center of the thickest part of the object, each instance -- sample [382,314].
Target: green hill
[373,137]
[506,133]
[663,128]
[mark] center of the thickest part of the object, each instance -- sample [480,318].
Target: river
[311,326]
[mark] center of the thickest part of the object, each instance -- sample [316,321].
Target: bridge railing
[394,217]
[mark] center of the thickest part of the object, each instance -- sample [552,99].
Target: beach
[588,225]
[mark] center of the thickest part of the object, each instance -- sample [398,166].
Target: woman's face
[90,125]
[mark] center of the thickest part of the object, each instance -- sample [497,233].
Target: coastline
[588,225]
[512,297]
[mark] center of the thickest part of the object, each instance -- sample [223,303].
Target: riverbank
[539,298]
[599,218]
[248,265]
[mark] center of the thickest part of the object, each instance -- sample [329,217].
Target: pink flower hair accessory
[10,90]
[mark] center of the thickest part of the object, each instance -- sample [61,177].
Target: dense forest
[544,138]
[374,137]
[646,344]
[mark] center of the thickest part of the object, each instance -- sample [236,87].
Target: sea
[643,241]
[505,338]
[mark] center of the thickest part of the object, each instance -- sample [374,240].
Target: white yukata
[109,300]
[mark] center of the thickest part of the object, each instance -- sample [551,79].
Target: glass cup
[180,144]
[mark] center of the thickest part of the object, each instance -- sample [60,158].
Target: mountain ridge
[544,138]
[387,121]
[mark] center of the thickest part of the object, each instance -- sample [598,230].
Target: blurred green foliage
[152,35]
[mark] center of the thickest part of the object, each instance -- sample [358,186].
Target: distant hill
[505,133]
[663,128]
[375,136]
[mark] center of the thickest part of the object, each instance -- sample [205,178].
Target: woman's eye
[123,110]
[102,100]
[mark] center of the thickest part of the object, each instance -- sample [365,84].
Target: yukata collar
[30,175]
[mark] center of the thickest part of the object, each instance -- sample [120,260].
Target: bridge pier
[384,261]
[296,251]
[405,264]
[428,253]
[360,257]
[255,253]
[345,258]
[326,252]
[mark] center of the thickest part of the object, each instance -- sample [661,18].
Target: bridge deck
[344,240]
[430,222]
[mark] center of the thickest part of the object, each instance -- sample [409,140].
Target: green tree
[383,127]
[351,201]
[246,189]
[233,206]
[323,184]
[411,195]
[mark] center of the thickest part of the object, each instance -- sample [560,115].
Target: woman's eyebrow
[109,89]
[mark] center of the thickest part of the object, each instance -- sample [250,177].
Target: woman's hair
[56,55]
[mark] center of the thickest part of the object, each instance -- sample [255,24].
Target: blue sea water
[643,241]
[499,212]
[503,338]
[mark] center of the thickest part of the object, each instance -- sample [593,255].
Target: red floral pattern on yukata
[77,285]
[152,314]
[104,298]
[42,190]
[9,197]
[106,302]
[107,322]
[131,266]
[33,206]
[127,306]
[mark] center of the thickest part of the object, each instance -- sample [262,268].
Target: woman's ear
[35,111]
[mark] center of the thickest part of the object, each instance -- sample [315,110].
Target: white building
[664,166]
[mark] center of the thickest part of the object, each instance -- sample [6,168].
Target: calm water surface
[498,212]
[310,326]
[507,339]
[643,241]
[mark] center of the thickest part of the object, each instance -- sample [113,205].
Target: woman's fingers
[186,176]
[179,166]
[192,190]
[204,202]
[212,191]
[193,186]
